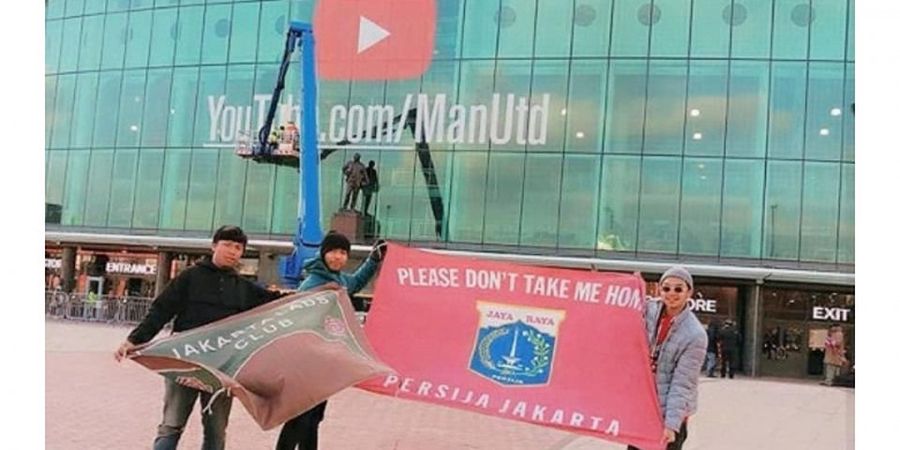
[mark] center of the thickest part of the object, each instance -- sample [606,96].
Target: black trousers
[729,360]
[680,437]
[302,432]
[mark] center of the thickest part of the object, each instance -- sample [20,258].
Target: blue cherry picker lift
[309,231]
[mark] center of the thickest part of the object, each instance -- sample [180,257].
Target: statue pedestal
[349,223]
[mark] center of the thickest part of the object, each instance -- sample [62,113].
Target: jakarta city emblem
[515,344]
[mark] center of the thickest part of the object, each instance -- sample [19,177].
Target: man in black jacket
[730,340]
[206,292]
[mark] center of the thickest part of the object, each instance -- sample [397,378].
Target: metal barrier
[104,308]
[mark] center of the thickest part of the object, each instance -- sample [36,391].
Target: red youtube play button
[373,39]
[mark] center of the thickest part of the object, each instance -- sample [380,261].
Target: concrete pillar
[267,270]
[68,269]
[163,271]
[753,330]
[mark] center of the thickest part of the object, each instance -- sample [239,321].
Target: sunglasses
[677,289]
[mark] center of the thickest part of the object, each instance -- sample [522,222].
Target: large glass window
[397,176]
[236,115]
[591,30]
[547,121]
[467,193]
[156,109]
[516,20]
[625,107]
[121,196]
[91,43]
[186,105]
[511,78]
[669,36]
[230,189]
[76,186]
[147,188]
[258,197]
[742,208]
[284,201]
[827,37]
[244,33]
[131,108]
[819,229]
[173,198]
[584,108]
[52,44]
[666,89]
[849,113]
[74,7]
[847,223]
[553,29]
[272,27]
[705,130]
[108,99]
[476,87]
[425,197]
[83,114]
[55,178]
[55,8]
[791,33]
[49,108]
[446,36]
[578,201]
[216,34]
[480,28]
[62,123]
[851,31]
[751,34]
[114,41]
[165,28]
[541,200]
[68,59]
[747,109]
[138,38]
[620,187]
[97,201]
[711,28]
[701,195]
[188,32]
[631,27]
[787,109]
[781,231]
[95,6]
[211,104]
[503,198]
[658,230]
[824,111]
[201,196]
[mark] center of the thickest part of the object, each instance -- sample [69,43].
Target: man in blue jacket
[677,350]
[303,431]
[206,292]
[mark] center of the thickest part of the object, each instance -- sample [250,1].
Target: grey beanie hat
[679,272]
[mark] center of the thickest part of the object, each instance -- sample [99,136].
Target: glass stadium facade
[713,130]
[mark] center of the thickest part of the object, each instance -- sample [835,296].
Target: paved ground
[93,402]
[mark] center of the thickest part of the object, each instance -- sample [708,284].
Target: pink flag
[554,347]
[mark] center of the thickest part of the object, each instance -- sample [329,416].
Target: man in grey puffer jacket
[677,350]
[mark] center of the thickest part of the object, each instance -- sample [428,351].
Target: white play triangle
[370,33]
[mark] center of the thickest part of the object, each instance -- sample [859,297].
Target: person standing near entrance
[730,341]
[677,349]
[835,353]
[712,347]
[303,431]
[206,292]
